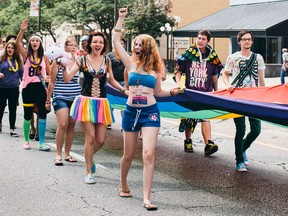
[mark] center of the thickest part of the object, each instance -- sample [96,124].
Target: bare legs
[64,133]
[94,140]
[149,138]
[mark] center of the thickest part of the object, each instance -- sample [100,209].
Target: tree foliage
[145,16]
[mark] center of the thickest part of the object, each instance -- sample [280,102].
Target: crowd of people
[76,90]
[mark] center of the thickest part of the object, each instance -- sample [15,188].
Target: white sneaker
[90,179]
[241,167]
[44,147]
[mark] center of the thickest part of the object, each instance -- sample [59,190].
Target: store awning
[263,19]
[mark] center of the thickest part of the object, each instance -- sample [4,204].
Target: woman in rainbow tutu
[92,108]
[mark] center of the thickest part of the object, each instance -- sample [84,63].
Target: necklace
[93,72]
[34,63]
[12,67]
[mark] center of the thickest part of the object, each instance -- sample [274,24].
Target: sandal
[70,159]
[58,162]
[150,206]
[124,194]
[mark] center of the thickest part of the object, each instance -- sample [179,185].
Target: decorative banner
[265,103]
[34,8]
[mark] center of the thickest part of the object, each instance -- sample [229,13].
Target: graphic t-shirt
[237,62]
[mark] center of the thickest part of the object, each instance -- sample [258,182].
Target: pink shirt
[30,74]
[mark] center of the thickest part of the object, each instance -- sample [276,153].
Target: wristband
[118,29]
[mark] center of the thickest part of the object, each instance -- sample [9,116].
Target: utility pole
[39,17]
[115,11]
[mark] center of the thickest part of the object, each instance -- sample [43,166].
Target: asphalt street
[184,183]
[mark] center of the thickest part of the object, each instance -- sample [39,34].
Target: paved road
[184,184]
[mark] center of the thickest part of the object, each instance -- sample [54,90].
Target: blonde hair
[150,58]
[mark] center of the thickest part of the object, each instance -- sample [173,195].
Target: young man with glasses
[251,67]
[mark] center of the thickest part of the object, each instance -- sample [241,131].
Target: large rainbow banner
[264,103]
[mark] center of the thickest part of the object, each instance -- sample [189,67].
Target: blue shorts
[59,104]
[135,118]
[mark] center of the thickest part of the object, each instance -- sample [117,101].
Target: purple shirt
[198,75]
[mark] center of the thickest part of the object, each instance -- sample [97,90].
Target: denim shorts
[135,118]
[59,104]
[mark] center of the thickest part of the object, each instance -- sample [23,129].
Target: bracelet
[172,92]
[118,29]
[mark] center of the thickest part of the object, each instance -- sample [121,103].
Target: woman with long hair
[141,113]
[92,108]
[10,74]
[34,89]
[63,97]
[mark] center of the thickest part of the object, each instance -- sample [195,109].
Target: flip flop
[124,194]
[150,206]
[58,162]
[70,159]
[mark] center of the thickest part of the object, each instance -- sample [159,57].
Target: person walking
[10,75]
[34,90]
[63,97]
[200,65]
[248,70]
[141,113]
[284,68]
[118,68]
[92,107]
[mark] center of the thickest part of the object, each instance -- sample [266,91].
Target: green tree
[146,17]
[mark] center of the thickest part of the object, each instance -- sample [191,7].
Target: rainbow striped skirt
[90,109]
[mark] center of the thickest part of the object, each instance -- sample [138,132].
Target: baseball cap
[83,38]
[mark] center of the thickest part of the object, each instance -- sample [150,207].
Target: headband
[35,37]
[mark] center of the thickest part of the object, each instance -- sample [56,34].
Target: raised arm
[24,26]
[124,56]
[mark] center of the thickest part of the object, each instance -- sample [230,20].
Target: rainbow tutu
[94,110]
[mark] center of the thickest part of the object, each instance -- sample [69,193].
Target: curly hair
[150,58]
[16,55]
[106,43]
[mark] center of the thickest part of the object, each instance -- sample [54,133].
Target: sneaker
[13,134]
[182,125]
[210,148]
[246,163]
[90,179]
[93,167]
[44,147]
[241,167]
[26,146]
[188,146]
